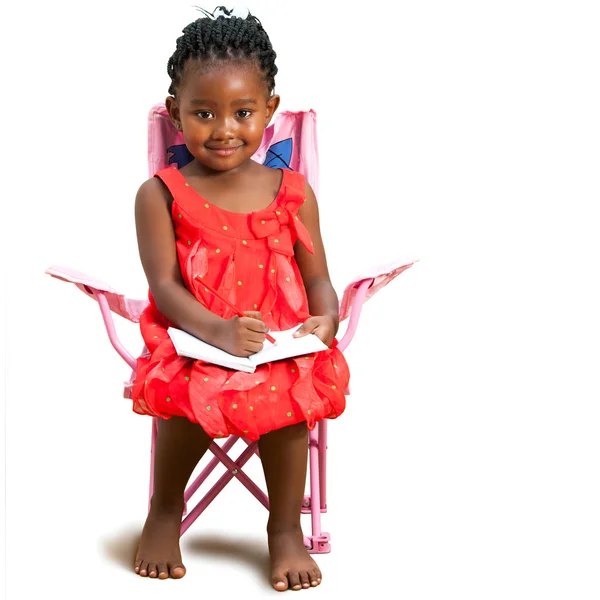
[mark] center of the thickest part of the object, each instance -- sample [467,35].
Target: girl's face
[223,110]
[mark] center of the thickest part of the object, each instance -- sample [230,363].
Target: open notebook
[286,347]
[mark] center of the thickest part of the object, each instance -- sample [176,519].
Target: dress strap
[295,181]
[173,179]
[292,199]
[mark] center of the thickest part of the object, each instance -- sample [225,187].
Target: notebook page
[287,346]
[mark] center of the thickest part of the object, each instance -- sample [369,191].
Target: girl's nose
[224,129]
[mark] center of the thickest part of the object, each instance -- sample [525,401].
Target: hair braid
[222,38]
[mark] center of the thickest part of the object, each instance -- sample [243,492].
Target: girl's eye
[204,114]
[244,113]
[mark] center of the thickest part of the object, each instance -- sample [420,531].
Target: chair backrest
[289,142]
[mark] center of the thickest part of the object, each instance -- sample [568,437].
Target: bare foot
[158,554]
[291,565]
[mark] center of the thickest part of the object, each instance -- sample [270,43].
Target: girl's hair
[221,38]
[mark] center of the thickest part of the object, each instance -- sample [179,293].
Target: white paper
[286,346]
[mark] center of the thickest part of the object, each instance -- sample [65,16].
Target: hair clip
[222,11]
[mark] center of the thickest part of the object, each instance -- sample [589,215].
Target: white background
[465,134]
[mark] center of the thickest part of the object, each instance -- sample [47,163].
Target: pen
[238,312]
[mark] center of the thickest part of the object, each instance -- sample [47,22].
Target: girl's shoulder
[154,191]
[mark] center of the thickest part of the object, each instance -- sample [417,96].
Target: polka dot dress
[249,260]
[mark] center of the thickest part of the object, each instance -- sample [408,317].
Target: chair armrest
[110,329]
[109,301]
[359,300]
[128,308]
[359,290]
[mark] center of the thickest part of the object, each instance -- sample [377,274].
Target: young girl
[252,233]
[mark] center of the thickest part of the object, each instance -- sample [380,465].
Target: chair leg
[236,469]
[323,463]
[214,491]
[319,541]
[193,487]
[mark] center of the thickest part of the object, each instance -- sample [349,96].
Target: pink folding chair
[289,142]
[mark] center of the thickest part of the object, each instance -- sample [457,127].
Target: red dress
[248,259]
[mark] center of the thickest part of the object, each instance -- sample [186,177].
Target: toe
[294,579]
[136,565]
[152,570]
[305,579]
[177,571]
[163,571]
[144,568]
[280,582]
[315,577]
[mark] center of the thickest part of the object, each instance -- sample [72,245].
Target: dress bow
[278,226]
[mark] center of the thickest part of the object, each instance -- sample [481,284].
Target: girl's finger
[255,337]
[254,324]
[253,347]
[253,314]
[309,326]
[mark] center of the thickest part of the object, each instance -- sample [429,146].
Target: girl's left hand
[323,327]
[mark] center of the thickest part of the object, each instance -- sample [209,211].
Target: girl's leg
[179,446]
[284,455]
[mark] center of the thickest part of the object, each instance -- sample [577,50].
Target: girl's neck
[197,168]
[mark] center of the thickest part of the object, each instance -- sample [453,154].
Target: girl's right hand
[243,336]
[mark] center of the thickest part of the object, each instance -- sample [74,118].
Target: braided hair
[221,38]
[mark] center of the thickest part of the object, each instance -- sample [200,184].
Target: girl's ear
[272,105]
[173,110]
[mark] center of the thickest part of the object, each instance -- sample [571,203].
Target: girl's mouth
[224,150]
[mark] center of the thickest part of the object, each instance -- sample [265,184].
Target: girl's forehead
[220,76]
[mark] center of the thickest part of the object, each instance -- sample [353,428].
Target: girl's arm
[323,302]
[156,241]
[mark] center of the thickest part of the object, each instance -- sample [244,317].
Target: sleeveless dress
[249,260]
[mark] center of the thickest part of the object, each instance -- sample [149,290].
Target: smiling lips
[223,150]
